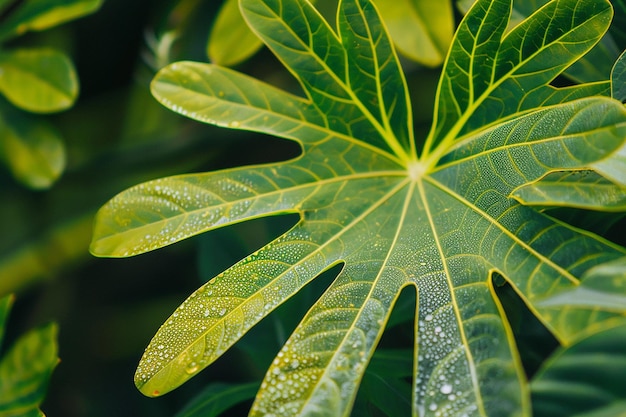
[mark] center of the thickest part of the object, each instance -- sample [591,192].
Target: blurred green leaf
[26,368]
[618,79]
[31,148]
[585,379]
[421,29]
[217,398]
[44,258]
[231,41]
[582,189]
[5,307]
[38,80]
[36,15]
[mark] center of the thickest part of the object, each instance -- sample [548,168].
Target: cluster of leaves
[442,215]
[35,80]
[26,368]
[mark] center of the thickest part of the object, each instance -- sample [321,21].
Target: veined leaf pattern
[441,223]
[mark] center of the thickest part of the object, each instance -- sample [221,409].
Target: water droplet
[192,368]
[446,389]
[432,407]
[428,317]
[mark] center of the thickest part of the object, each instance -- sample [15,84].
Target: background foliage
[115,136]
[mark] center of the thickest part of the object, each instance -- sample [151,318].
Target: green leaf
[37,15]
[594,66]
[217,398]
[31,148]
[5,307]
[585,379]
[582,189]
[231,41]
[441,223]
[421,29]
[430,25]
[603,285]
[26,368]
[38,80]
[618,79]
[489,75]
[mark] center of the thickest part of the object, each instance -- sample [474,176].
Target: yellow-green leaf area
[32,149]
[422,30]
[38,80]
[231,41]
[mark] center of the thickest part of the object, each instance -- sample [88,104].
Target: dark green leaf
[585,379]
[217,398]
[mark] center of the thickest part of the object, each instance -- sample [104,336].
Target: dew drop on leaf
[192,368]
[446,389]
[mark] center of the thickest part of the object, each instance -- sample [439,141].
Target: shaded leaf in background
[421,29]
[618,79]
[583,189]
[603,286]
[37,15]
[217,398]
[584,379]
[231,41]
[441,223]
[26,367]
[38,80]
[31,148]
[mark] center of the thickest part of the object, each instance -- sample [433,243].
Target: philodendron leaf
[585,379]
[36,15]
[25,369]
[440,223]
[38,80]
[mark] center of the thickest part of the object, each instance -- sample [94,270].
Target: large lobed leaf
[440,223]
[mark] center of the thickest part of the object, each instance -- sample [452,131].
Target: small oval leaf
[38,80]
